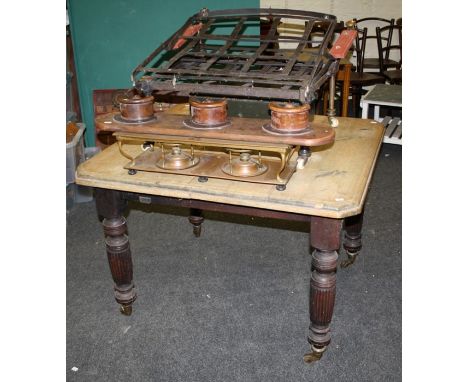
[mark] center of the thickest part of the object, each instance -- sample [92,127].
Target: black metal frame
[244,65]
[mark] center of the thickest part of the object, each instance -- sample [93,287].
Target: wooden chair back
[360,49]
[393,49]
[371,60]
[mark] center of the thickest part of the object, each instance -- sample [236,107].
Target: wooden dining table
[328,193]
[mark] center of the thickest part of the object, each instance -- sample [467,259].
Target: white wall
[344,10]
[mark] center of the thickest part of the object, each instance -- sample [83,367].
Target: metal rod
[331,108]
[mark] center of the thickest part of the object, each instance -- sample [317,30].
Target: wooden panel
[333,183]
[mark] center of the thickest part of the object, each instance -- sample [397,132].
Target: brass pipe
[331,102]
[285,158]
[126,155]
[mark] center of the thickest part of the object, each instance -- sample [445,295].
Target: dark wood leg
[325,239]
[356,100]
[196,218]
[110,205]
[352,240]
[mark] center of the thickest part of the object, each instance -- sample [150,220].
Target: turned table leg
[352,240]
[196,219]
[325,239]
[110,205]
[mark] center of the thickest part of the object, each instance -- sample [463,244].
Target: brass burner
[244,165]
[176,159]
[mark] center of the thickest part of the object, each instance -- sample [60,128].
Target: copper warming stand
[242,149]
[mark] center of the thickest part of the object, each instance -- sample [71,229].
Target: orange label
[190,31]
[341,46]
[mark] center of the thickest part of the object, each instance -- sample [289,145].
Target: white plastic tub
[75,153]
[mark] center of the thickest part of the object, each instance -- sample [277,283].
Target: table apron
[214,206]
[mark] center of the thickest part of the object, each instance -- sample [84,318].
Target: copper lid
[136,99]
[208,103]
[287,107]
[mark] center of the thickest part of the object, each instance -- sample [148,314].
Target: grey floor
[232,305]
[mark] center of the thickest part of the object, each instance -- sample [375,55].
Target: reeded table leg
[325,239]
[352,241]
[196,219]
[110,205]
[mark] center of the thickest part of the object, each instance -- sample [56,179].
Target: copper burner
[208,113]
[136,109]
[288,118]
[176,159]
[244,165]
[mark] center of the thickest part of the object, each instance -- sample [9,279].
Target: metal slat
[260,62]
[397,133]
[226,46]
[252,38]
[271,34]
[255,81]
[248,77]
[391,127]
[260,92]
[299,48]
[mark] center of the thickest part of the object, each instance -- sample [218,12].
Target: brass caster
[350,260]
[314,355]
[281,187]
[126,310]
[197,231]
[333,121]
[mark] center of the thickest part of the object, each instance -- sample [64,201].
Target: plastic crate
[75,153]
[81,194]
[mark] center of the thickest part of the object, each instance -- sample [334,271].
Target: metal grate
[224,53]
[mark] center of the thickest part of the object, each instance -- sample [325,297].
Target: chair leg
[357,92]
[355,102]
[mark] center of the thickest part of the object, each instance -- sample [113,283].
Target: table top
[333,183]
[384,95]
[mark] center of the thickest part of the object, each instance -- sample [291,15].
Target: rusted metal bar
[263,46]
[234,37]
[299,49]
